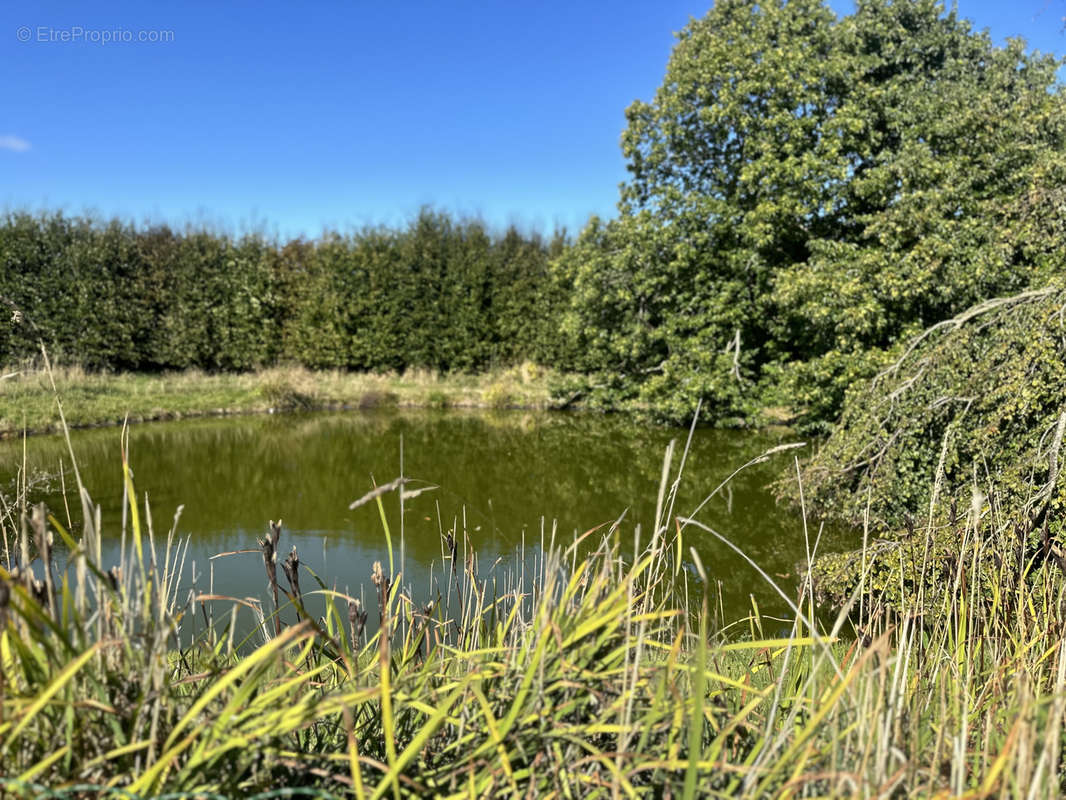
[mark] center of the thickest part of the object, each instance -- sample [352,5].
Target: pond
[504,482]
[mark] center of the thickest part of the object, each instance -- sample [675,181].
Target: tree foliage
[975,400]
[970,416]
[804,192]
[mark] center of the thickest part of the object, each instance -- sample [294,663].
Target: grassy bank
[593,668]
[27,401]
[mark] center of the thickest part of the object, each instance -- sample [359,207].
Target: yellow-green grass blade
[57,683]
[172,746]
[417,743]
[695,731]
[496,738]
[826,704]
[42,765]
[388,535]
[132,747]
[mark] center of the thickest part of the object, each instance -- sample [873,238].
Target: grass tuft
[593,668]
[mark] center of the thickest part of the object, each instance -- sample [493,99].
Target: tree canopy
[806,191]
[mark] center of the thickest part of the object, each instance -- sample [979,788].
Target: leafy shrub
[283,396]
[974,403]
[499,396]
[977,396]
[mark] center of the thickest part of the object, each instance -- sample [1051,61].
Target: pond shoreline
[218,413]
[97,400]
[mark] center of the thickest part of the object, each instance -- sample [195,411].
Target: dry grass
[27,402]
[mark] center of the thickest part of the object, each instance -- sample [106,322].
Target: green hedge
[442,294]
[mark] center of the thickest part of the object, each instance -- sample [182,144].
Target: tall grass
[597,667]
[93,398]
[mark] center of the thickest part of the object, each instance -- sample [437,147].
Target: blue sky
[291,117]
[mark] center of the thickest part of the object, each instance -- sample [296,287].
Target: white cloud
[14,143]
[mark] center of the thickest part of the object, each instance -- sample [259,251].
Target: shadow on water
[504,479]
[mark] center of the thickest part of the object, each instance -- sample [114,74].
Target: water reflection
[504,480]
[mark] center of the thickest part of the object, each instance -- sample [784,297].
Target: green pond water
[504,482]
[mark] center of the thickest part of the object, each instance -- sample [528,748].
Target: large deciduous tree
[803,192]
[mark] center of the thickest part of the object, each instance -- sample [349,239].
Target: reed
[594,667]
